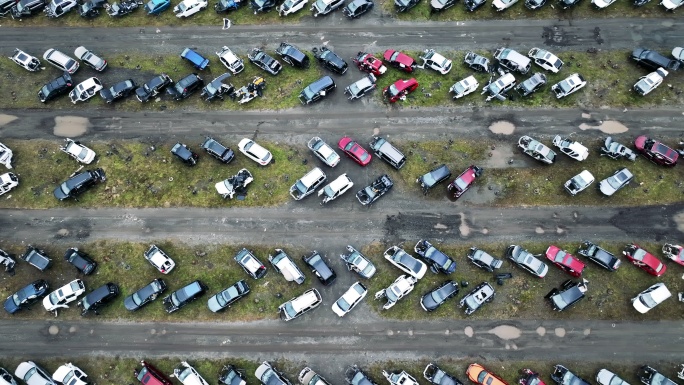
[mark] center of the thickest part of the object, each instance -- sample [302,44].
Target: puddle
[70,126]
[464,229]
[502,127]
[506,332]
[559,230]
[541,331]
[6,119]
[539,230]
[468,331]
[53,330]
[608,127]
[560,332]
[484,231]
[679,220]
[63,232]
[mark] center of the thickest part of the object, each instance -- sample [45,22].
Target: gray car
[579,182]
[527,260]
[615,182]
[225,298]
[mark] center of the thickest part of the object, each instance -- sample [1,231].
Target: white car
[187,375]
[64,295]
[352,297]
[335,188]
[651,297]
[464,87]
[499,87]
[5,156]
[615,182]
[26,61]
[671,5]
[70,374]
[78,151]
[606,377]
[90,59]
[435,61]
[158,258]
[189,7]
[8,181]
[400,378]
[545,59]
[61,61]
[600,4]
[650,82]
[568,85]
[678,53]
[297,306]
[579,182]
[291,6]
[85,90]
[255,152]
[33,374]
[401,286]
[573,149]
[6,378]
[501,5]
[235,184]
[406,262]
[323,151]
[230,60]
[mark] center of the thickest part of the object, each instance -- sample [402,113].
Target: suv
[387,152]
[153,87]
[56,87]
[330,60]
[98,298]
[85,90]
[481,294]
[297,306]
[319,267]
[81,261]
[283,264]
[433,177]
[324,7]
[217,150]
[292,55]
[512,60]
[307,184]
[250,264]
[317,90]
[149,375]
[78,183]
[268,375]
[61,61]
[184,153]
[198,61]
[37,258]
[26,8]
[183,296]
[653,60]
[185,87]
[159,259]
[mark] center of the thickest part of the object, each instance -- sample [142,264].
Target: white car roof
[340,183]
[65,369]
[228,55]
[312,176]
[305,300]
[193,377]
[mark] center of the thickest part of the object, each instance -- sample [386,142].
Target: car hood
[10,306]
[606,188]
[129,303]
[213,303]
[59,194]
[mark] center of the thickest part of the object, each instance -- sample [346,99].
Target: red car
[643,259]
[354,151]
[399,60]
[655,151]
[566,261]
[674,252]
[529,377]
[369,63]
[461,184]
[400,89]
[149,375]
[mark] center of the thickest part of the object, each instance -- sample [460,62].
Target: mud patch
[586,116]
[53,330]
[440,226]
[607,127]
[506,332]
[502,127]
[70,126]
[500,157]
[464,229]
[468,331]
[587,332]
[7,119]
[376,131]
[679,220]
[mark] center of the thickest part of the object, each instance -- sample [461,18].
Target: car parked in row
[98,298]
[399,90]
[348,301]
[185,154]
[250,264]
[498,88]
[289,7]
[267,374]
[650,376]
[236,184]
[26,296]
[63,62]
[78,151]
[217,88]
[651,297]
[255,152]
[289,52]
[397,290]
[531,85]
[90,59]
[335,188]
[323,151]
[230,375]
[353,375]
[153,87]
[80,260]
[508,58]
[85,90]
[355,261]
[188,8]
[615,182]
[156,7]
[185,87]
[264,61]
[483,260]
[217,150]
[481,376]
[527,261]
[56,87]
[565,261]
[433,299]
[145,295]
[536,149]
[463,182]
[188,375]
[545,59]
[230,60]
[438,261]
[399,378]
[435,61]
[366,62]
[32,374]
[330,60]
[656,151]
[37,258]
[23,59]
[150,375]
[297,306]
[400,60]
[387,152]
[563,376]
[159,259]
[405,262]
[307,184]
[569,294]
[599,255]
[653,60]
[569,85]
[324,7]
[579,182]
[308,377]
[183,296]
[118,91]
[433,177]
[70,374]
[437,376]
[464,87]
[650,82]
[227,297]
[644,260]
[66,294]
[317,90]
[356,8]
[354,150]
[361,87]
[283,264]
[477,297]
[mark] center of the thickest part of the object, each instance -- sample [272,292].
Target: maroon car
[399,89]
[644,260]
[354,151]
[655,151]
[461,184]
[369,63]
[149,375]
[565,261]
[399,60]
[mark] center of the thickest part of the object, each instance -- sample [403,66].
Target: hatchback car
[348,301]
[291,6]
[317,90]
[334,189]
[599,255]
[255,152]
[536,149]
[159,259]
[267,374]
[66,294]
[357,8]
[361,87]
[323,151]
[433,299]
[262,60]
[188,375]
[483,260]
[78,151]
[464,87]
[185,154]
[569,294]
[565,261]
[366,62]
[70,374]
[98,298]
[400,60]
[85,90]
[467,178]
[405,262]
[297,306]
[291,54]
[320,268]
[569,85]
[650,82]
[32,374]
[90,59]
[479,375]
[651,297]
[80,260]
[330,60]
[55,88]
[229,59]
[156,7]
[24,60]
[193,57]
[545,59]
[183,296]
[656,151]
[185,87]
[438,261]
[433,177]
[145,295]
[26,296]
[354,150]
[527,261]
[355,261]
[153,87]
[61,61]
[118,91]
[477,62]
[226,298]
[579,182]
[250,264]
[150,375]
[615,182]
[644,260]
[36,258]
[79,183]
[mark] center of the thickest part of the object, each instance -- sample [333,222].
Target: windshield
[461,184]
[428,179]
[16,300]
[300,186]
[471,302]
[393,90]
[184,374]
[328,191]
[308,93]
[68,377]
[174,299]
[344,305]
[182,7]
[458,88]
[53,298]
[290,312]
[354,89]
[65,189]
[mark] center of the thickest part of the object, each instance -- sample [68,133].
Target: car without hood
[650,376]
[308,377]
[483,260]
[599,255]
[433,177]
[230,375]
[6,377]
[399,378]
[438,261]
[85,90]
[262,60]
[236,184]
[565,261]
[674,253]
[353,375]
[371,193]
[218,87]
[579,182]
[64,295]
[369,63]
[569,294]
[527,261]
[528,377]
[568,85]
[464,181]
[536,149]
[348,301]
[435,61]
[255,152]
[399,89]
[269,375]
[330,60]
[615,182]
[323,151]
[656,151]
[5,156]
[477,297]
[150,375]
[498,88]
[644,260]
[262,5]
[183,296]
[187,374]
[355,261]
[545,59]
[563,376]
[145,295]
[606,377]
[230,60]
[433,299]
[477,62]
[80,260]
[400,60]
[437,376]
[250,264]
[8,181]
[36,258]
[283,264]
[70,374]
[185,154]
[397,290]
[464,87]
[159,259]
[24,60]
[405,262]
[90,59]
[25,8]
[227,297]
[502,5]
[571,148]
[615,150]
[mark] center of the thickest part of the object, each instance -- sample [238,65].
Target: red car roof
[402,84]
[468,176]
[400,57]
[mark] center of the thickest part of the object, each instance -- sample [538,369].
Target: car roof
[340,182]
[305,300]
[312,176]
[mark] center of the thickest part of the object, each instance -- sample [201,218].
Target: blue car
[26,296]
[198,61]
[155,7]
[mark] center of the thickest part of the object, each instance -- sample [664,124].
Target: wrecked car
[217,88]
[498,88]
[335,188]
[568,85]
[563,376]
[571,148]
[656,151]
[438,261]
[355,261]
[399,90]
[476,62]
[674,252]
[644,260]
[401,286]
[361,87]
[8,181]
[477,297]
[435,61]
[464,87]
[405,262]
[615,150]
[527,261]
[369,63]
[437,376]
[569,294]
[531,85]
[615,182]
[236,184]
[246,93]
[26,61]
[371,193]
[461,184]
[536,150]
[545,59]
[579,182]
[511,59]
[153,87]
[400,378]
[599,255]
[650,82]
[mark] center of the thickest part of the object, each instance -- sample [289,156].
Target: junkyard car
[498,88]
[185,154]
[5,156]
[37,258]
[70,374]
[531,85]
[79,183]
[438,261]
[571,148]
[6,377]
[674,253]
[481,376]
[291,54]
[325,274]
[464,87]
[262,60]
[255,152]
[85,90]
[644,260]
[563,376]
[354,150]
[153,87]
[569,85]
[501,5]
[355,261]
[217,88]
[330,60]
[8,181]
[405,5]
[671,5]
[649,376]
[290,7]
[579,182]
[545,59]
[433,299]
[187,375]
[536,150]
[297,306]
[185,87]
[483,260]
[400,60]
[308,377]
[352,297]
[236,184]
[527,261]
[437,376]
[678,53]
[98,298]
[355,376]
[565,261]
[307,184]
[371,193]
[615,182]
[250,264]
[356,8]
[183,296]
[508,58]
[369,63]
[26,296]
[227,297]
[156,7]
[653,60]
[476,62]
[323,151]
[145,295]
[269,375]
[193,57]
[324,7]
[650,82]
[262,5]
[387,152]
[189,7]
[399,378]
[91,8]
[401,286]
[159,259]
[569,294]
[361,87]
[24,60]
[283,264]
[651,297]
[599,255]
[229,59]
[529,377]
[56,87]
[317,90]
[78,151]
[656,151]
[230,375]
[64,295]
[435,61]
[615,150]
[335,188]
[461,184]
[90,59]
[25,8]
[118,91]
[405,262]
[477,297]
[218,150]
[441,5]
[33,374]
[399,89]
[600,4]
[80,260]
[61,61]
[433,177]
[150,375]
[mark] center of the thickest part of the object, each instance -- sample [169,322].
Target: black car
[26,8]
[91,8]
[81,261]
[599,255]
[319,267]
[531,85]
[483,260]
[292,55]
[534,4]
[563,376]
[217,150]
[184,153]
[441,5]
[475,61]
[330,60]
[230,375]
[405,5]
[185,87]
[217,88]
[434,177]
[375,190]
[153,87]
[262,5]
[357,8]
[437,260]
[79,183]
[26,296]
[37,258]
[437,296]
[569,294]
[118,91]
[98,298]
[6,6]
[184,296]
[56,87]
[565,4]
[229,296]
[262,60]
[653,60]
[437,376]
[649,376]
[317,90]
[145,295]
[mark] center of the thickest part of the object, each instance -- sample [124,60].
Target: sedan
[358,262]
[569,85]
[599,255]
[656,151]
[224,299]
[479,375]
[159,259]
[439,262]
[606,377]
[579,182]
[461,184]
[651,297]
[33,374]
[545,59]
[615,182]
[255,152]
[262,60]
[565,261]
[527,261]
[399,60]
[80,260]
[26,296]
[90,59]
[118,91]
[323,151]
[361,87]
[483,260]
[437,296]
[399,89]
[405,262]
[464,87]
[354,151]
[78,151]
[650,82]
[352,297]
[64,295]
[145,295]
[644,260]
[536,149]
[70,374]
[189,7]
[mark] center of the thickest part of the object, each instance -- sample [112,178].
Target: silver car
[579,182]
[615,182]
